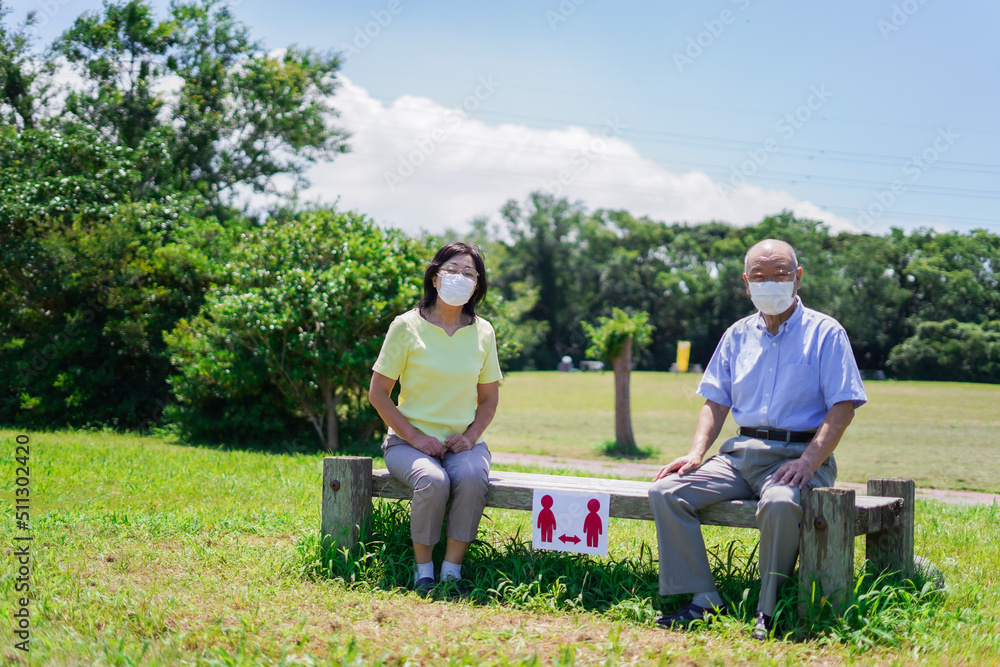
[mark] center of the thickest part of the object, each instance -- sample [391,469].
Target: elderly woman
[445,358]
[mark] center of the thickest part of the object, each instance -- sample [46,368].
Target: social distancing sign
[570,521]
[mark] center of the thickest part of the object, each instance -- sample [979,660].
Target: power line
[784,150]
[627,100]
[369,128]
[791,178]
[746,198]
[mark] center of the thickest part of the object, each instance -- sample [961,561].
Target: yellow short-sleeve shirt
[438,373]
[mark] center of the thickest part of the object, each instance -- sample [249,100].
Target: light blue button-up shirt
[788,381]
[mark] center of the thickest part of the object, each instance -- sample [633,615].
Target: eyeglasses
[780,277]
[454,270]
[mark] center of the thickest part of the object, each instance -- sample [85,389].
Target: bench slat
[629,499]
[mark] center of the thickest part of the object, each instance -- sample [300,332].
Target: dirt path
[640,470]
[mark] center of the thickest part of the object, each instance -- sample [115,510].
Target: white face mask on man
[455,289]
[772,298]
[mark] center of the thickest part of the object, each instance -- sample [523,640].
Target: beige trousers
[743,470]
[461,477]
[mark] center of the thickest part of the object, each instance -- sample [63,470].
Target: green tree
[114,215]
[84,307]
[949,351]
[954,276]
[86,247]
[614,340]
[307,305]
[122,54]
[25,81]
[666,271]
[246,116]
[241,116]
[870,297]
[542,259]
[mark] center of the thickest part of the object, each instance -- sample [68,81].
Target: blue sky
[862,114]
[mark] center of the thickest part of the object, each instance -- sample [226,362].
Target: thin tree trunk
[622,365]
[317,421]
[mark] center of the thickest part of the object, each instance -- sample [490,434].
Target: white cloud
[416,164]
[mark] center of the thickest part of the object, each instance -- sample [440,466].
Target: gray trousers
[461,477]
[743,470]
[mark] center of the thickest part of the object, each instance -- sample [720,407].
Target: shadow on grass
[512,573]
[880,610]
[610,449]
[289,443]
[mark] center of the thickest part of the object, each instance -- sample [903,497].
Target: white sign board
[570,521]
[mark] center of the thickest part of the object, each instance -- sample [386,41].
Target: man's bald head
[768,251]
[772,265]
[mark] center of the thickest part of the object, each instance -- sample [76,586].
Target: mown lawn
[154,553]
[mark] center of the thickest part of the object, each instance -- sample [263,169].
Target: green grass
[943,435]
[153,553]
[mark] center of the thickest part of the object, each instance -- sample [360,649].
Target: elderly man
[788,374]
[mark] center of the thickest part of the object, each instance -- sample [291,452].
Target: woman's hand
[487,399]
[379,395]
[459,443]
[429,445]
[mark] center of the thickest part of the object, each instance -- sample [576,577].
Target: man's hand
[796,472]
[681,466]
[800,471]
[458,443]
[711,417]
[428,445]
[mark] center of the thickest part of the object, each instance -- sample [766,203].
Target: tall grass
[880,610]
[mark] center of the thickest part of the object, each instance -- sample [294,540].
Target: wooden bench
[832,517]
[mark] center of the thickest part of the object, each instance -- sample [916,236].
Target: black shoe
[424,586]
[685,616]
[763,625]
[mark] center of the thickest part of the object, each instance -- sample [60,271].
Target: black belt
[775,434]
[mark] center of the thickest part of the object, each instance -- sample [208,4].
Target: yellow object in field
[683,355]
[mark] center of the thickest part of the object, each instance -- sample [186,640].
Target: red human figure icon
[592,525]
[546,519]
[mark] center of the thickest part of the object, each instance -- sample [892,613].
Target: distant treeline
[136,293]
[563,266]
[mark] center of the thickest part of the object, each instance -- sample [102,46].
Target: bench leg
[347,498]
[826,548]
[891,549]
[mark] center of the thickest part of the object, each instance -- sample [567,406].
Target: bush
[83,308]
[949,351]
[295,329]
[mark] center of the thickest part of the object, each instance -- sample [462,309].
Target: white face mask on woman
[455,289]
[772,298]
